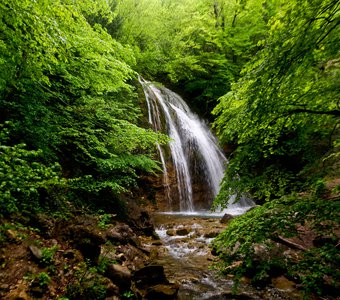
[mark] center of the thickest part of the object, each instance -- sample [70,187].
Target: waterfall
[197,160]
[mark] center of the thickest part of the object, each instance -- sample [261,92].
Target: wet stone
[183,231]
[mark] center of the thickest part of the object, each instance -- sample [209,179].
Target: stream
[186,256]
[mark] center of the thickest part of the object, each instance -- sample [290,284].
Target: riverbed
[184,251]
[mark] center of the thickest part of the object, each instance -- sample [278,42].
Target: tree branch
[334,112]
[288,243]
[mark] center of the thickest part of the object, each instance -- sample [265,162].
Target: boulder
[83,234]
[122,234]
[162,291]
[182,231]
[119,275]
[150,283]
[170,232]
[87,240]
[149,276]
[211,234]
[112,290]
[139,220]
[226,218]
[44,223]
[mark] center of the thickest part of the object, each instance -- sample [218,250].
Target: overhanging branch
[334,112]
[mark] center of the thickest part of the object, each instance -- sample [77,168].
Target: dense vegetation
[68,109]
[266,72]
[282,117]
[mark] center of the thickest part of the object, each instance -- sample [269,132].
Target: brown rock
[87,239]
[119,275]
[19,293]
[149,276]
[211,234]
[226,218]
[162,291]
[183,231]
[170,232]
[12,235]
[282,283]
[123,235]
[157,243]
[139,220]
[111,289]
[36,252]
[44,223]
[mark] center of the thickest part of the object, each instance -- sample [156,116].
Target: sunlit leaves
[285,107]
[66,86]
[22,177]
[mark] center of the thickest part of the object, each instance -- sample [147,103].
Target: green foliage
[66,89]
[128,295]
[89,289]
[88,284]
[47,255]
[22,176]
[283,113]
[199,46]
[285,217]
[104,220]
[41,279]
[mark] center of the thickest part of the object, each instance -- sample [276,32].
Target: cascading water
[195,155]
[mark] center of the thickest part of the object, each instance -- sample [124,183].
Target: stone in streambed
[150,283]
[226,218]
[183,231]
[170,232]
[157,243]
[211,234]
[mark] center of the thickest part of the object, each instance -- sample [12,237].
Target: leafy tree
[197,46]
[66,88]
[284,110]
[23,176]
[281,118]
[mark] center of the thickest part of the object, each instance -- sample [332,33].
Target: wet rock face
[202,200]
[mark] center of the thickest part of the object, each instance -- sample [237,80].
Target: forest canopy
[67,100]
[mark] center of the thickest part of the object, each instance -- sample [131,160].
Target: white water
[193,148]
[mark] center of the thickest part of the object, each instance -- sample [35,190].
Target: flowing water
[194,151]
[186,256]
